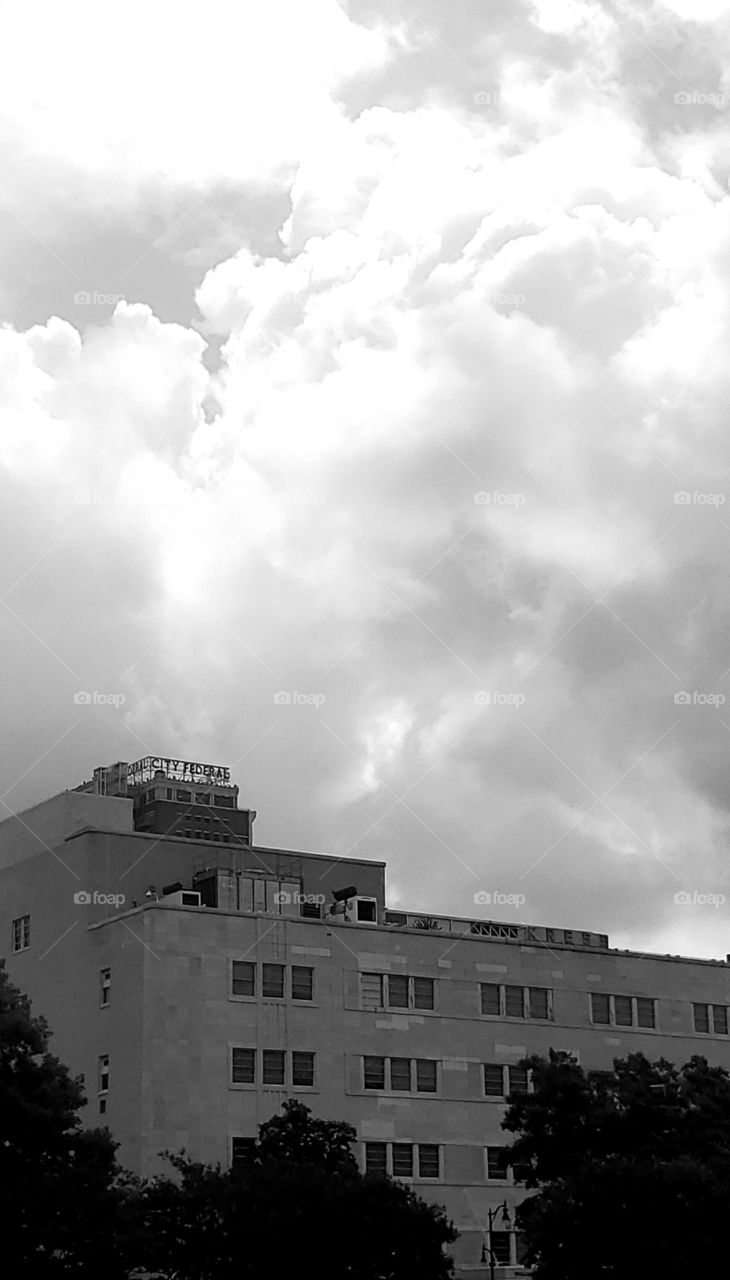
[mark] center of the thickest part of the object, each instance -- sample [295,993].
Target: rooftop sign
[182,770]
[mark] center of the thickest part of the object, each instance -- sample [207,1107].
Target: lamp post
[491,1218]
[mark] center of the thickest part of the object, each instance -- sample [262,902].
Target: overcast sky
[376,355]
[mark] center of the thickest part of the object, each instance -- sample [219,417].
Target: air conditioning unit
[183,898]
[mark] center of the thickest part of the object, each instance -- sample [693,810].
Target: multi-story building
[197,980]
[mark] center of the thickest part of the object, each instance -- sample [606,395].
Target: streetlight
[491,1218]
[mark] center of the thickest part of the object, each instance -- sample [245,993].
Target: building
[197,980]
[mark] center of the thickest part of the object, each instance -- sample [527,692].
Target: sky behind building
[363,427]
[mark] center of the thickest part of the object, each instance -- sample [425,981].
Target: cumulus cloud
[444,464]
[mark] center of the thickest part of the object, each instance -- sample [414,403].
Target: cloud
[436,456]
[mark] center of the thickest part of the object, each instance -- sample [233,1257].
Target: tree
[56,1180]
[631,1168]
[300,1206]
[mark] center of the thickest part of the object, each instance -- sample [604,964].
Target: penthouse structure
[197,980]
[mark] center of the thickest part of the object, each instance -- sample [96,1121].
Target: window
[719,1019]
[493,1079]
[702,1017]
[490,999]
[539,1003]
[497,1164]
[645,1013]
[102,1106]
[623,1011]
[402,1159]
[376,1157]
[201,798]
[243,1151]
[711,1019]
[371,990]
[499,1243]
[400,1074]
[374,1073]
[521,1249]
[224,802]
[365,908]
[273,1066]
[398,991]
[21,933]
[243,1066]
[311,911]
[106,982]
[517,1078]
[183,795]
[514,1002]
[423,989]
[521,1172]
[302,1070]
[244,978]
[426,1075]
[272,981]
[104,1073]
[600,1008]
[429,1160]
[302,982]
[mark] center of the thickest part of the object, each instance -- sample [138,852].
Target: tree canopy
[630,1168]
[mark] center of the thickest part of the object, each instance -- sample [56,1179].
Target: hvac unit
[183,898]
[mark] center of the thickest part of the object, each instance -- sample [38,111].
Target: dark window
[102,1106]
[244,1066]
[520,1172]
[539,1005]
[402,1160]
[719,1019]
[311,911]
[400,1074]
[426,1075]
[429,1161]
[514,1002]
[201,797]
[243,1151]
[398,991]
[517,1077]
[423,993]
[106,982]
[302,982]
[272,980]
[183,795]
[168,793]
[521,1246]
[499,1242]
[103,1073]
[274,1066]
[702,1017]
[224,802]
[493,1080]
[366,911]
[302,1069]
[600,1008]
[496,1163]
[376,1157]
[490,998]
[645,1015]
[374,1073]
[623,1011]
[244,978]
[21,933]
